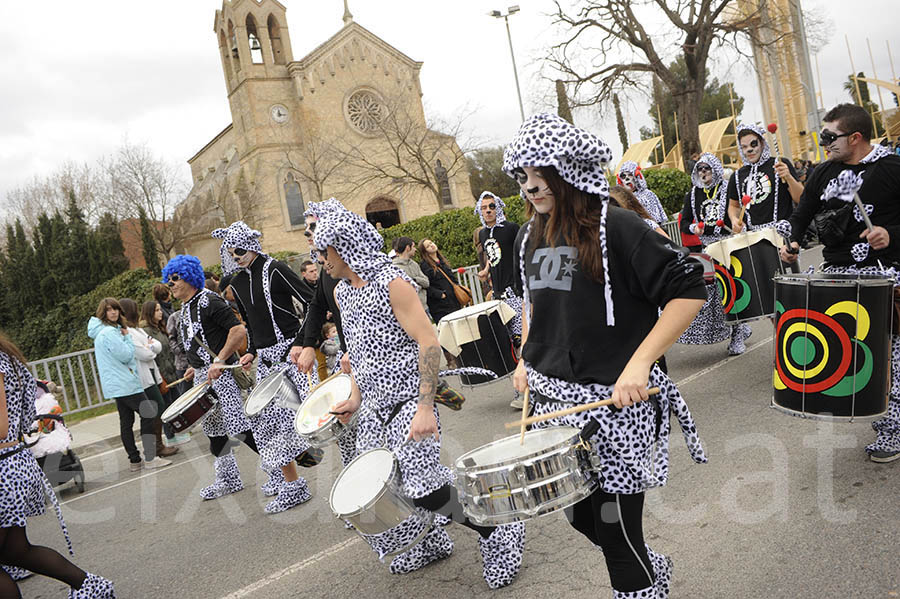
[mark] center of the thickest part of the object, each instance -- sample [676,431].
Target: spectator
[146,349]
[441,299]
[163,297]
[119,380]
[309,281]
[173,326]
[625,198]
[331,346]
[406,249]
[154,324]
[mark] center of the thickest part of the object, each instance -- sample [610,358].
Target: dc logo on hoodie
[555,269]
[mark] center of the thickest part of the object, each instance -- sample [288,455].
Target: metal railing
[672,230]
[76,375]
[469,278]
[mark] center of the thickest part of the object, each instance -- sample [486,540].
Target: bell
[254,44]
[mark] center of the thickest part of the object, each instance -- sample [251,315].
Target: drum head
[313,414]
[184,401]
[482,308]
[510,449]
[264,393]
[362,481]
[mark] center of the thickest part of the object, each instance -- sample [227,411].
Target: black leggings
[444,501]
[15,550]
[614,522]
[218,446]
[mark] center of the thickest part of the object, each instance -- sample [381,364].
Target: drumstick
[772,129]
[567,411]
[862,210]
[721,224]
[181,380]
[309,379]
[524,417]
[744,202]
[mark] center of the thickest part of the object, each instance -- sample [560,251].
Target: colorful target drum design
[744,276]
[832,345]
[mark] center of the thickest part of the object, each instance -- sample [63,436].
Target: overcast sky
[80,77]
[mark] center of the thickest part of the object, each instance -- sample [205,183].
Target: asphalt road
[785,507]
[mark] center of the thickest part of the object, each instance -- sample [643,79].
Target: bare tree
[605,28]
[406,151]
[141,180]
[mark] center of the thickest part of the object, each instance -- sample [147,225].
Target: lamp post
[498,14]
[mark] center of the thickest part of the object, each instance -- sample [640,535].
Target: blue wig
[188,268]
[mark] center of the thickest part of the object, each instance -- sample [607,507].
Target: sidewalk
[100,433]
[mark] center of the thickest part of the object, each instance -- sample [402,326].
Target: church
[345,121]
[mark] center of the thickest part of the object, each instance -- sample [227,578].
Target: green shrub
[670,185]
[451,230]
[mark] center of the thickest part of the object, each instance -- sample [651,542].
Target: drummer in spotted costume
[264,289]
[497,237]
[394,357]
[592,330]
[855,165]
[771,183]
[206,318]
[630,176]
[705,205]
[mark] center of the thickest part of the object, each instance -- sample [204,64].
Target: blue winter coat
[115,360]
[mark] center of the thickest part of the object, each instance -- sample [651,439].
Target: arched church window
[275,39]
[256,55]
[233,47]
[365,111]
[294,200]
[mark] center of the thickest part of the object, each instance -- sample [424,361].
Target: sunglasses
[826,137]
[173,278]
[704,169]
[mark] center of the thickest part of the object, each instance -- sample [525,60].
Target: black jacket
[439,286]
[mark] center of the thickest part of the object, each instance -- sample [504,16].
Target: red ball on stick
[772,128]
[720,223]
[745,200]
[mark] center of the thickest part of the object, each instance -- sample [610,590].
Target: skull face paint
[628,179]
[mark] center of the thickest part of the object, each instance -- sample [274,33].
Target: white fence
[76,375]
[672,230]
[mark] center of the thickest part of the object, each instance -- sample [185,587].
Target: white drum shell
[320,400]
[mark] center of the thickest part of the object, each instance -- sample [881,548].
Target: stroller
[51,442]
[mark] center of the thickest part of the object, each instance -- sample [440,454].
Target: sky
[81,77]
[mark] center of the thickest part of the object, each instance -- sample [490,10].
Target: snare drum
[314,422]
[505,481]
[368,495]
[277,386]
[745,266]
[832,345]
[479,337]
[190,407]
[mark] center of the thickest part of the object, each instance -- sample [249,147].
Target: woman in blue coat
[120,381]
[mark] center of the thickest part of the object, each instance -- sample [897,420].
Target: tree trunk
[688,105]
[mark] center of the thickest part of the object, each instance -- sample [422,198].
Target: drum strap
[591,428]
[9,454]
[271,363]
[394,411]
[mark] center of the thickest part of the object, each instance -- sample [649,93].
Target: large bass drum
[507,481]
[832,345]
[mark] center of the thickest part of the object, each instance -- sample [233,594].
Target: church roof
[345,33]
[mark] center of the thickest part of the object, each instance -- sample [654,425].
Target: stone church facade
[343,121]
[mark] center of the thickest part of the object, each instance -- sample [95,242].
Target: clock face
[279,113]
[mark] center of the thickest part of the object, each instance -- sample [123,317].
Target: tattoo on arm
[429,363]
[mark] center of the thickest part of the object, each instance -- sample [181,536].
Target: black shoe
[883,457]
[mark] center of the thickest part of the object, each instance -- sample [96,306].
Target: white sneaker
[157,462]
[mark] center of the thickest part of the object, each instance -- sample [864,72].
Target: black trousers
[148,411]
[614,522]
[445,501]
[218,446]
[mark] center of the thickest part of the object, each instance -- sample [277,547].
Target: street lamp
[498,14]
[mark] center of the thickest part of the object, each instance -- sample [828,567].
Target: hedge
[64,329]
[451,230]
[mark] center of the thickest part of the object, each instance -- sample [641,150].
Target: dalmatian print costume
[24,484]
[384,361]
[227,416]
[764,156]
[632,444]
[709,325]
[647,198]
[508,295]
